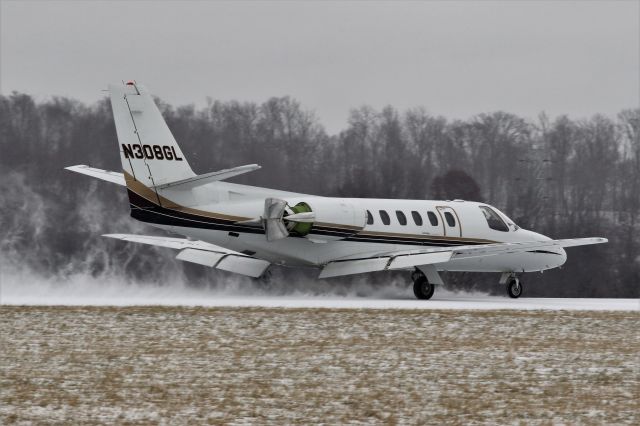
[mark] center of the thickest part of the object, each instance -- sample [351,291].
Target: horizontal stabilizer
[203,253]
[113,177]
[199,180]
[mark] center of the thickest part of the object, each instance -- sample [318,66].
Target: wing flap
[408,261]
[383,263]
[203,253]
[243,265]
[349,267]
[201,257]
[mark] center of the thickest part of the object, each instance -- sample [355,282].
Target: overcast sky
[455,58]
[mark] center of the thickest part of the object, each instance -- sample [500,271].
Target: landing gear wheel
[263,280]
[422,288]
[514,288]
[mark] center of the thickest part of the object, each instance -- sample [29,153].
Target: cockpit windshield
[494,220]
[510,223]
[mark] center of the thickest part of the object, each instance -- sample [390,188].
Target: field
[272,365]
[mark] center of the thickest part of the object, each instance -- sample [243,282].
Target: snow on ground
[438,302]
[223,365]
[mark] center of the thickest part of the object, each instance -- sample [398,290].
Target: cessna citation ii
[244,229]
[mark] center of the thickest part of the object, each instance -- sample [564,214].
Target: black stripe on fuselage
[140,202]
[336,232]
[410,241]
[163,218]
[158,217]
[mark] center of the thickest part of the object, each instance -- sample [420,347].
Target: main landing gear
[422,288]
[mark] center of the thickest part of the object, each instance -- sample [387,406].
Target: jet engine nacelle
[332,216]
[329,218]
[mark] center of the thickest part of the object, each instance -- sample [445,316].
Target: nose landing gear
[514,287]
[422,288]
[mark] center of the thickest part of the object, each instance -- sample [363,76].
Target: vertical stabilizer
[148,150]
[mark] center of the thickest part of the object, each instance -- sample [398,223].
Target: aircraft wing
[203,253]
[435,255]
[113,177]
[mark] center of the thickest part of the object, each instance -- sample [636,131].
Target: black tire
[514,288]
[423,289]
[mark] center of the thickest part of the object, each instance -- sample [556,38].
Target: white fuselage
[455,223]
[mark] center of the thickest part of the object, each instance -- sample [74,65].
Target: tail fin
[149,153]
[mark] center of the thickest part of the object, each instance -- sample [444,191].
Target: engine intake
[329,219]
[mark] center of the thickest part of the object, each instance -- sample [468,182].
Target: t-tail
[152,161]
[154,168]
[149,153]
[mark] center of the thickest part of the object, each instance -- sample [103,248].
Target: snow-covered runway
[451,302]
[132,295]
[84,290]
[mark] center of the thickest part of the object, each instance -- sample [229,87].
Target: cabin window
[369,218]
[385,217]
[494,221]
[450,220]
[401,217]
[433,219]
[416,218]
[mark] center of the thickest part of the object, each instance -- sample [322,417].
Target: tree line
[562,177]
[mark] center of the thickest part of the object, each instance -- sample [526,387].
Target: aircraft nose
[561,258]
[556,260]
[563,254]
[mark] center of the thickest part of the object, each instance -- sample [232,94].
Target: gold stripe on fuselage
[151,195]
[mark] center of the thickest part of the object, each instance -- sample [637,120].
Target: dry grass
[251,365]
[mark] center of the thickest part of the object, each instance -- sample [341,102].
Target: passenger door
[450,221]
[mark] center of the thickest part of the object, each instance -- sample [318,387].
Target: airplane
[246,229]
